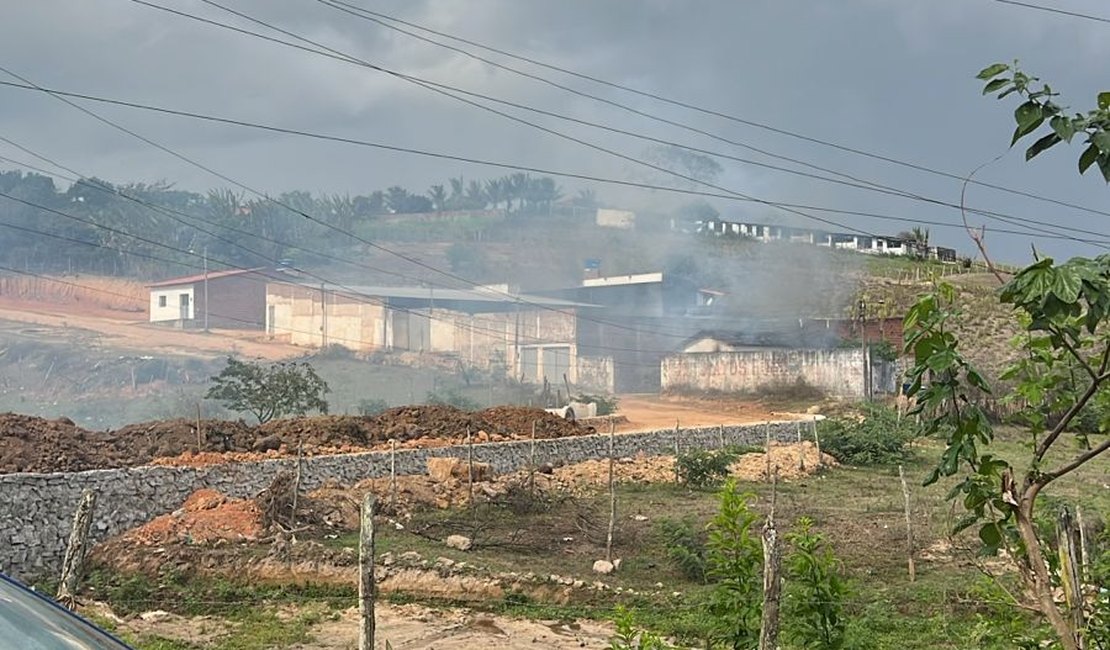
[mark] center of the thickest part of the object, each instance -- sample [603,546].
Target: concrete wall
[596,374]
[172,310]
[296,314]
[838,373]
[37,509]
[235,302]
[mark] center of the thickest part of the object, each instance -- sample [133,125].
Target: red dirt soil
[31,444]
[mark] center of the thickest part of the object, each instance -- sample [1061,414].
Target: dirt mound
[517,421]
[32,444]
[29,444]
[207,516]
[791,461]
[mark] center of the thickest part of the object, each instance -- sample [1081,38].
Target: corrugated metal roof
[212,275]
[432,294]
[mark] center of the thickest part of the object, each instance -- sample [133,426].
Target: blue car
[31,621]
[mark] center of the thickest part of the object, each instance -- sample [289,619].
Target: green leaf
[992,71]
[1063,127]
[941,360]
[1088,158]
[1102,141]
[991,535]
[1067,285]
[995,85]
[1027,114]
[1104,167]
[1104,100]
[1040,145]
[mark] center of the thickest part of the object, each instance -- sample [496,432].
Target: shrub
[628,636]
[700,468]
[879,438]
[734,559]
[815,603]
[451,397]
[685,548]
[372,406]
[605,405]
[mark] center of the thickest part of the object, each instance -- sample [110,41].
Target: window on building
[161,301]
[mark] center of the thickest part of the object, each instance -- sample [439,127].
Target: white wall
[172,310]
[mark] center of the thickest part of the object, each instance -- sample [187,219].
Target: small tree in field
[269,392]
[1065,371]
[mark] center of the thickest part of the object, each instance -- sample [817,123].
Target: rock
[616,564]
[443,469]
[410,557]
[445,562]
[603,567]
[546,468]
[269,443]
[814,410]
[155,616]
[458,542]
[639,518]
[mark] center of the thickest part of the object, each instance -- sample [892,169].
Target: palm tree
[517,185]
[587,198]
[495,191]
[438,195]
[457,185]
[475,196]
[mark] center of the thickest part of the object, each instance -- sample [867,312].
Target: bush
[372,406]
[879,438]
[815,601]
[702,469]
[605,405]
[685,548]
[734,557]
[451,397]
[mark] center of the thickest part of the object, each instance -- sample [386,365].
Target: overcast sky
[893,77]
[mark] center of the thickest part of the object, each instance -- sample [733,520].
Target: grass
[951,605]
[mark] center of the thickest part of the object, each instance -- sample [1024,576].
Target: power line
[538,170]
[726,116]
[450,91]
[346,58]
[1054,10]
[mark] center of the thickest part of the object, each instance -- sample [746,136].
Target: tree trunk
[367,588]
[1037,571]
[74,560]
[772,587]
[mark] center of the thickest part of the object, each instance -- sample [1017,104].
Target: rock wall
[36,509]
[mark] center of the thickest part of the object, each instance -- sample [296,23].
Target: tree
[816,603]
[284,388]
[396,199]
[735,560]
[1063,374]
[438,195]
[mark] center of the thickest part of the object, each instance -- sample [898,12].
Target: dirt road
[660,412]
[127,331]
[403,626]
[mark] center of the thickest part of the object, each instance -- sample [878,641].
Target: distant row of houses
[608,333]
[875,245]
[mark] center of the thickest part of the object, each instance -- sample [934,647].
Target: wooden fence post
[296,483]
[767,448]
[772,578]
[676,474]
[469,469]
[393,475]
[367,588]
[721,436]
[1071,568]
[801,449]
[909,525]
[74,561]
[612,495]
[200,436]
[817,443]
[532,460]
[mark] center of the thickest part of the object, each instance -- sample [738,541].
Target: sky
[890,77]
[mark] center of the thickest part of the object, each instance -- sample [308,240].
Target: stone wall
[36,509]
[837,373]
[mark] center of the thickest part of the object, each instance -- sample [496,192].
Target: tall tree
[1062,377]
[438,195]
